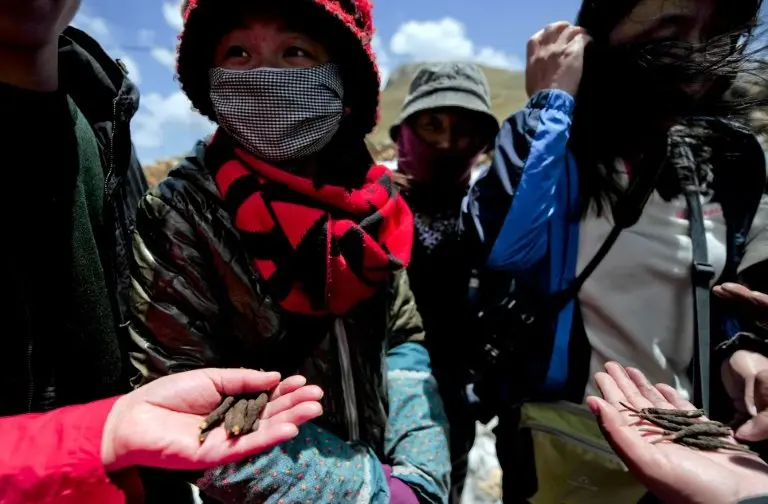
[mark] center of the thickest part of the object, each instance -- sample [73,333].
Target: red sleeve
[56,458]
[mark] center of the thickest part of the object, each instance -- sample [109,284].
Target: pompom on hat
[351,30]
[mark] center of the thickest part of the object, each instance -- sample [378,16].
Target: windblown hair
[724,63]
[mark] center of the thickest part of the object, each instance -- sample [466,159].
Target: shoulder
[188,191]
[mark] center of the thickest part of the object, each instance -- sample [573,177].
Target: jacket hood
[97,83]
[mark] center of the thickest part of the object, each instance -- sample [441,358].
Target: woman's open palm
[674,473]
[158,425]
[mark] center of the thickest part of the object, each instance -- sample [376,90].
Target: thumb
[749,395]
[755,429]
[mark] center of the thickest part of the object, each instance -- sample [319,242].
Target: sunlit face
[268,43]
[449,129]
[34,23]
[691,21]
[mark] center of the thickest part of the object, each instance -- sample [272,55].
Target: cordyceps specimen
[240,415]
[687,428]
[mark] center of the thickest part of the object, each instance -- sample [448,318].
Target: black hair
[597,143]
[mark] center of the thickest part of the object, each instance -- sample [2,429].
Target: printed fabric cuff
[315,466]
[742,341]
[416,441]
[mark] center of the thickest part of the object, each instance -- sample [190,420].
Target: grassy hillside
[507,95]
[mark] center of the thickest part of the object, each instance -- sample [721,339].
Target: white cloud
[131,67]
[165,57]
[172,15]
[499,59]
[164,119]
[95,26]
[445,39]
[145,37]
[159,114]
[99,28]
[382,59]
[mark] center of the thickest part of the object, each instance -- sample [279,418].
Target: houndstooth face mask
[279,114]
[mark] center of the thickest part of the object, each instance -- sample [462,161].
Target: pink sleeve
[56,457]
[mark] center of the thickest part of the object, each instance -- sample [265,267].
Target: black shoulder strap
[702,274]
[702,271]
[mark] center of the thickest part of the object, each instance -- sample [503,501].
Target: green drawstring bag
[574,463]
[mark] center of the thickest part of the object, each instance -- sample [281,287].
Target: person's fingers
[647,389]
[552,32]
[285,402]
[734,289]
[760,298]
[299,414]
[749,395]
[579,43]
[241,381]
[572,33]
[674,398]
[610,390]
[533,44]
[755,429]
[287,386]
[761,390]
[627,386]
[629,445]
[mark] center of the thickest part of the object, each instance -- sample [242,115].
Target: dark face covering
[435,177]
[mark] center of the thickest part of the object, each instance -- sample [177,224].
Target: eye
[434,123]
[236,52]
[298,52]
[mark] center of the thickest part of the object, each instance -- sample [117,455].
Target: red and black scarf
[320,250]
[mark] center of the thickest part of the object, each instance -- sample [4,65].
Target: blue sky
[142,32]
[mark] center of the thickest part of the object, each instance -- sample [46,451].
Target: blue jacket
[520,213]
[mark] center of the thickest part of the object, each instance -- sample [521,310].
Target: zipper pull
[122,66]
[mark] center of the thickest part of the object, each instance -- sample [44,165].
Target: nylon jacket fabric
[55,457]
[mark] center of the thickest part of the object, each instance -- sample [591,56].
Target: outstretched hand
[157,425]
[674,473]
[741,372]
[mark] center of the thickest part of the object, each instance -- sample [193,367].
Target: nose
[444,140]
[265,59]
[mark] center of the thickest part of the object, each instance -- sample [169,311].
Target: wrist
[742,341]
[112,453]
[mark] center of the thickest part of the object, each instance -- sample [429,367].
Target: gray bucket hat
[448,84]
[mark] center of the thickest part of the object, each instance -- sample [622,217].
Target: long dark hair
[616,104]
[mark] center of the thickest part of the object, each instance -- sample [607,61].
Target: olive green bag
[574,463]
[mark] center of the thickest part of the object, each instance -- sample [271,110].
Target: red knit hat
[350,26]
